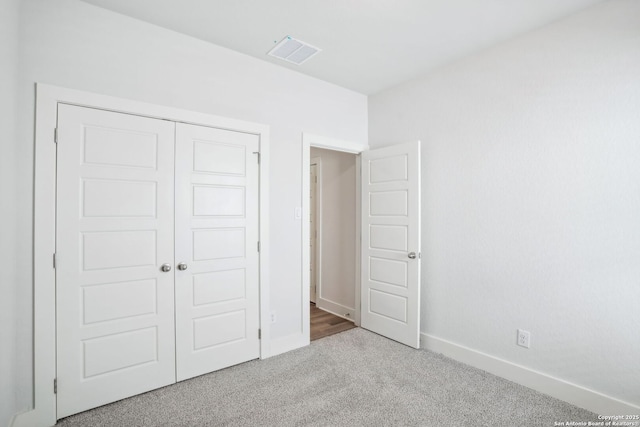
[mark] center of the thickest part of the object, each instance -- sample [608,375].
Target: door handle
[412,255]
[182,266]
[165,268]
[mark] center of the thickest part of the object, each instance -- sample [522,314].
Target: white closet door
[217,241]
[391,242]
[115,326]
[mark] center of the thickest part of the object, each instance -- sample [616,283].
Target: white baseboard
[288,343]
[335,308]
[33,418]
[555,387]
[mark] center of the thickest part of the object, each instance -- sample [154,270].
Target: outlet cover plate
[524,338]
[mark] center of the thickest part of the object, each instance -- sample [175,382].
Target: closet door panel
[114,230]
[217,240]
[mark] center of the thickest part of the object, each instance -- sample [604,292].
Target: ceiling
[368,45]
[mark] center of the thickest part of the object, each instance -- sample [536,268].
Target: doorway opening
[310,141]
[332,241]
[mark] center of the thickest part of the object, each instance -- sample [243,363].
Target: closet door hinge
[55,386]
[258,154]
[55,135]
[258,246]
[54,261]
[259,334]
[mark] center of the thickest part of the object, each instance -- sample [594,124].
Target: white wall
[338,269]
[76,45]
[531,200]
[9,10]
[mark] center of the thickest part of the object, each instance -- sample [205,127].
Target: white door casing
[115,328]
[217,212]
[49,98]
[390,301]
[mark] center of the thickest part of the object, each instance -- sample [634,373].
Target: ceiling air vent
[294,51]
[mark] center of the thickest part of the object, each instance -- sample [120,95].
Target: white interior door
[391,242]
[217,215]
[115,326]
[131,192]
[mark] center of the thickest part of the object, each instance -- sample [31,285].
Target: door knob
[412,255]
[165,267]
[182,266]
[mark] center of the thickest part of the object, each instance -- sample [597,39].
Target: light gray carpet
[355,378]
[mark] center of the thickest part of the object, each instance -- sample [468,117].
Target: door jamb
[309,140]
[318,271]
[44,311]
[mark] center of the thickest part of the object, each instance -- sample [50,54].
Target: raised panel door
[115,328]
[390,289]
[217,241]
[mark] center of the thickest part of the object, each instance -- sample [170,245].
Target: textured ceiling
[368,46]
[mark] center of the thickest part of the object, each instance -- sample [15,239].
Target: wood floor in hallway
[324,324]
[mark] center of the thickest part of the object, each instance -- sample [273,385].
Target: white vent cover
[294,51]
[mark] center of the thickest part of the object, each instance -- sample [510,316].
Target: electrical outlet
[273,317]
[524,338]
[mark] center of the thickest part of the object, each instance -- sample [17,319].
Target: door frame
[308,141]
[44,226]
[318,215]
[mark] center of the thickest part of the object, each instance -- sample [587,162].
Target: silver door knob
[182,266]
[165,267]
[412,255]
